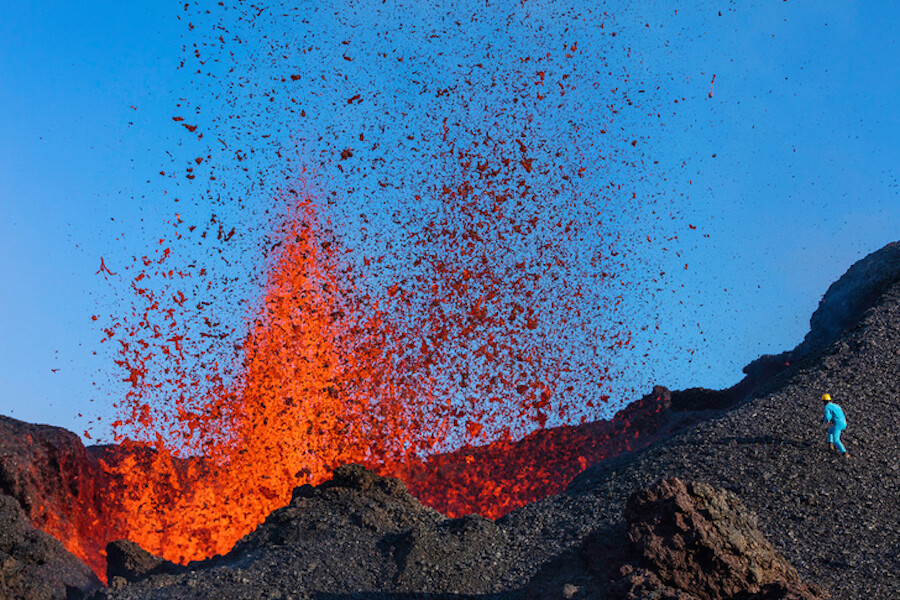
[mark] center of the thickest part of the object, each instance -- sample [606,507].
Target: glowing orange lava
[284,424]
[461,350]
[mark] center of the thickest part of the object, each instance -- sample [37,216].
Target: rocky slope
[834,519]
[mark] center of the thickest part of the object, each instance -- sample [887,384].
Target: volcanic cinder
[833,519]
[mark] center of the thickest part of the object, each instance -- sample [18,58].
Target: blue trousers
[834,436]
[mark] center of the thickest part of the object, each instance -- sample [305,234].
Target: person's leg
[837,439]
[832,436]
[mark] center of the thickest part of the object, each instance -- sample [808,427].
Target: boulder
[698,542]
[34,565]
[127,562]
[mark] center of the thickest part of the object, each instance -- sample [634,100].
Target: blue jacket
[834,413]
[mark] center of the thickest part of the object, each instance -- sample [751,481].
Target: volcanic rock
[834,519]
[66,488]
[34,565]
[56,481]
[127,562]
[637,584]
[355,532]
[698,542]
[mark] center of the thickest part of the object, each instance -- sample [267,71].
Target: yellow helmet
[826,397]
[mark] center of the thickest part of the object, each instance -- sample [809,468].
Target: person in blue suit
[835,415]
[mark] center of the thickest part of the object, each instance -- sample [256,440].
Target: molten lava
[489,309]
[472,345]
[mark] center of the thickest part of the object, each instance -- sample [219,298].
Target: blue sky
[788,172]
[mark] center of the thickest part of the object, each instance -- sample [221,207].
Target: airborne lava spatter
[472,345]
[488,302]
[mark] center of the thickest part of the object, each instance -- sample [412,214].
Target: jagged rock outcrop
[64,488]
[698,542]
[35,565]
[127,562]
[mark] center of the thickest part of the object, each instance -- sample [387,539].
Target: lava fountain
[470,346]
[496,308]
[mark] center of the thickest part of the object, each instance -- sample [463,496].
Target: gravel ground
[834,518]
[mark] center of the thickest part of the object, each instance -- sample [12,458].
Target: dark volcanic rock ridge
[833,519]
[364,536]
